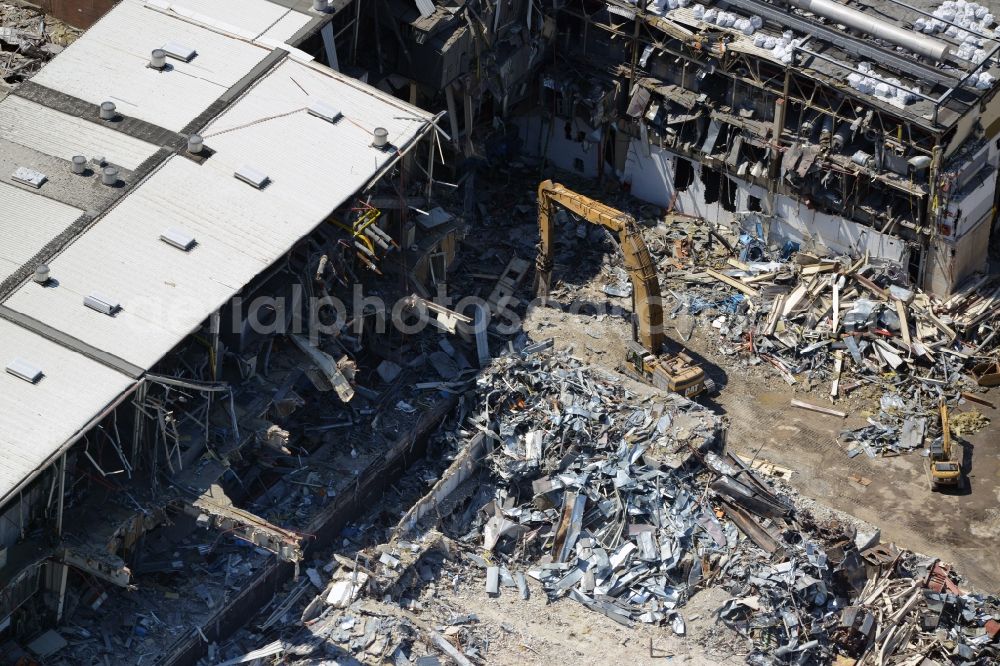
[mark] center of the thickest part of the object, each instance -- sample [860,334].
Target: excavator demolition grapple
[670,372]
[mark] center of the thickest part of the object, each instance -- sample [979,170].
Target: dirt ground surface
[891,493]
[535,631]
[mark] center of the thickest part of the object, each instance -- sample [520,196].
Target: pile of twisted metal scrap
[624,504]
[586,505]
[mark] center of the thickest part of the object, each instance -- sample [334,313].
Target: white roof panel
[311,162]
[313,165]
[61,135]
[249,18]
[36,420]
[28,221]
[109,63]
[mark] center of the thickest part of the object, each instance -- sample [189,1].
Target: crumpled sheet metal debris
[624,505]
[613,528]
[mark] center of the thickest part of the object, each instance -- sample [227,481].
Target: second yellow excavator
[942,471]
[676,372]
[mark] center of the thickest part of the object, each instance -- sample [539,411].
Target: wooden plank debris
[816,408]
[735,284]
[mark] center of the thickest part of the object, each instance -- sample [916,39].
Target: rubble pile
[621,503]
[29,39]
[587,507]
[908,611]
[835,324]
[596,495]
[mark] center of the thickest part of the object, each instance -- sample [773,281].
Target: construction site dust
[422,332]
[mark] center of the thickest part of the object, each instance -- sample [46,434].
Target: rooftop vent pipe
[381,137]
[320,5]
[109,176]
[41,274]
[158,59]
[108,111]
[195,144]
[79,164]
[852,18]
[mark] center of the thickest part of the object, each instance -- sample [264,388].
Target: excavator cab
[942,471]
[677,373]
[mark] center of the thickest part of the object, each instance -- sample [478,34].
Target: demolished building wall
[869,160]
[78,13]
[652,178]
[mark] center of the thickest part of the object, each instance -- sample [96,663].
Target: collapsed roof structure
[172,158]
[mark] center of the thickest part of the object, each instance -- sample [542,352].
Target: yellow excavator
[941,469]
[676,372]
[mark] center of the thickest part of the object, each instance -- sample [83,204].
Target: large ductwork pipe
[852,18]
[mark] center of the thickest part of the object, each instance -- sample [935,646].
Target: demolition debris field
[585,515]
[891,493]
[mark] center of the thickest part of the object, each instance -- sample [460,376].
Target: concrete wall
[542,135]
[962,246]
[651,174]
[950,262]
[967,208]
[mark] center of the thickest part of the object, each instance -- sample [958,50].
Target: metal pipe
[908,39]
[62,492]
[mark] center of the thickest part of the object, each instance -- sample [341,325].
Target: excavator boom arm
[638,262]
[945,429]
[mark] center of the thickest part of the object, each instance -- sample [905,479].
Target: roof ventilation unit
[179,51]
[108,111]
[158,59]
[24,370]
[79,165]
[42,274]
[320,5]
[102,303]
[321,109]
[109,176]
[179,238]
[195,144]
[252,176]
[29,177]
[381,140]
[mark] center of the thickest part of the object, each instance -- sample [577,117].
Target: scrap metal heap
[619,502]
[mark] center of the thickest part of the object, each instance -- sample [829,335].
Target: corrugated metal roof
[109,63]
[314,166]
[425,7]
[28,221]
[36,420]
[250,18]
[61,135]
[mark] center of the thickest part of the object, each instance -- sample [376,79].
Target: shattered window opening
[727,195]
[712,181]
[683,174]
